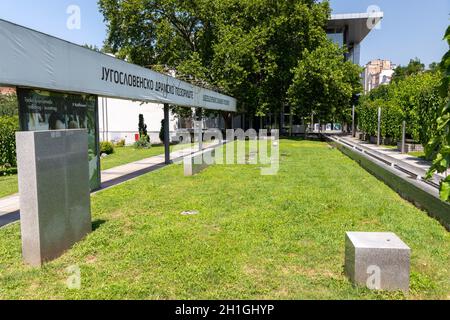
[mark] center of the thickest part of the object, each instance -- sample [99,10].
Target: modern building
[119,120]
[376,73]
[350,29]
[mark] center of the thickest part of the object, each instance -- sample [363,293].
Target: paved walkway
[9,206]
[394,153]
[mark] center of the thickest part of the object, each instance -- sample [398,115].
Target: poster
[46,110]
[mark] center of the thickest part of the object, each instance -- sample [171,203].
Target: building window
[337,38]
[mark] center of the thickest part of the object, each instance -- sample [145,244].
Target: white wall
[118,119]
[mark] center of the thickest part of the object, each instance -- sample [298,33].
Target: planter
[388,142]
[411,147]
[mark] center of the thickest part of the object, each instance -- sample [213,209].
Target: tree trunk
[227,118]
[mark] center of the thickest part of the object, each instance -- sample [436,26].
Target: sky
[410,28]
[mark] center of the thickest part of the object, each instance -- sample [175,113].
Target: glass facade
[337,38]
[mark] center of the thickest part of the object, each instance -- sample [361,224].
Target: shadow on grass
[97,224]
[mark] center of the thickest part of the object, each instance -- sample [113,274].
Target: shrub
[120,143]
[391,121]
[161,131]
[143,128]
[414,99]
[7,170]
[106,147]
[8,105]
[143,143]
[8,127]
[368,117]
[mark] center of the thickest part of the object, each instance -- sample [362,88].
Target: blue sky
[411,28]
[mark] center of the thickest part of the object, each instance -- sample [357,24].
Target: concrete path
[394,153]
[10,209]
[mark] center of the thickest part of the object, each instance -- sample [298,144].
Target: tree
[324,83]
[143,129]
[246,48]
[439,145]
[162,131]
[414,67]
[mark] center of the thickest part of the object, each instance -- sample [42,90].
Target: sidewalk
[394,153]
[10,209]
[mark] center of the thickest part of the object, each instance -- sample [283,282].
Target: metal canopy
[29,58]
[357,24]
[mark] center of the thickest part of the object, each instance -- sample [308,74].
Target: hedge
[415,100]
[8,127]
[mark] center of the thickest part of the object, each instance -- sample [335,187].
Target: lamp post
[379,127]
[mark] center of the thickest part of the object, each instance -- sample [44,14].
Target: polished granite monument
[377,260]
[53,175]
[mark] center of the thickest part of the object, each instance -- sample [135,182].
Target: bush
[8,127]
[7,171]
[120,143]
[368,117]
[8,105]
[414,99]
[161,131]
[143,143]
[106,147]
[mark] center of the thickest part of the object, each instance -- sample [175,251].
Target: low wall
[411,147]
[421,195]
[197,162]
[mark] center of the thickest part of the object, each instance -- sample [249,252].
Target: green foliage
[368,117]
[246,48]
[161,131]
[391,121]
[414,99]
[143,128]
[439,145]
[324,83]
[414,67]
[144,249]
[8,127]
[106,147]
[120,143]
[143,143]
[8,105]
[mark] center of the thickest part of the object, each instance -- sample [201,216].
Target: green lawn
[8,185]
[255,237]
[417,154]
[126,155]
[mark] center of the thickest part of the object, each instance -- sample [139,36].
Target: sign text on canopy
[33,59]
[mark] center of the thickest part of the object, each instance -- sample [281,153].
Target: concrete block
[197,162]
[380,261]
[54,192]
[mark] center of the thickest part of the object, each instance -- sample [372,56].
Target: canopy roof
[29,58]
[358,25]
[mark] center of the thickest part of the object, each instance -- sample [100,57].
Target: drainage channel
[408,181]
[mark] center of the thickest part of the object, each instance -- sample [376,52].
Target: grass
[124,155]
[8,185]
[389,147]
[418,154]
[255,237]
